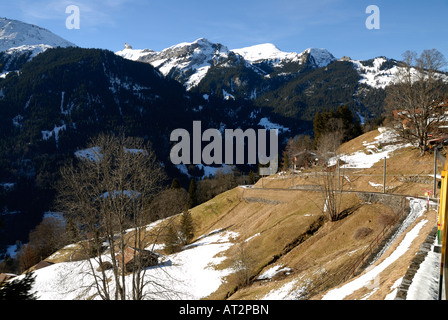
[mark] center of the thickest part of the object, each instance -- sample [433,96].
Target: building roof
[43,264]
[6,276]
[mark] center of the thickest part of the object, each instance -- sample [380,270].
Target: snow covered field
[384,145]
[189,274]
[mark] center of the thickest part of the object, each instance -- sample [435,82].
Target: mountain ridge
[20,42]
[196,58]
[14,33]
[263,72]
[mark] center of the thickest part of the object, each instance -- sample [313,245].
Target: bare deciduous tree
[168,202]
[328,145]
[243,265]
[331,187]
[107,196]
[45,239]
[417,88]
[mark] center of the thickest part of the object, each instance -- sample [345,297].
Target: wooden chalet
[134,258]
[305,159]
[6,277]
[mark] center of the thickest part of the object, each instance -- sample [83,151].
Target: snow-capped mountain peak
[186,61]
[135,54]
[189,62]
[269,52]
[20,42]
[201,42]
[321,57]
[263,52]
[15,34]
[377,73]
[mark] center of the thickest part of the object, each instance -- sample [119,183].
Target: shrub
[385,219]
[362,233]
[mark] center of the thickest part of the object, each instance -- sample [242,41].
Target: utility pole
[384,176]
[339,188]
[435,174]
[292,175]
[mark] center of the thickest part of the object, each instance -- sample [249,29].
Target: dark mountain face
[65,96]
[83,92]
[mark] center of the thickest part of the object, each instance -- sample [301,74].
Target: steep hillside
[291,249]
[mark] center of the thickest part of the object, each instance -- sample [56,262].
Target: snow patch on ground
[47,134]
[425,283]
[271,272]
[92,154]
[189,274]
[289,291]
[384,145]
[268,125]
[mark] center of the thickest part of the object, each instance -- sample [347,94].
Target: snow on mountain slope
[33,49]
[374,74]
[269,52]
[20,42]
[380,72]
[188,62]
[15,34]
[266,51]
[321,57]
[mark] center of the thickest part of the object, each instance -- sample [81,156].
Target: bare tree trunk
[332,196]
[107,197]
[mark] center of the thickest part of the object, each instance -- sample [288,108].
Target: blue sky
[292,25]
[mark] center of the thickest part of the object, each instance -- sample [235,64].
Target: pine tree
[319,126]
[18,289]
[172,242]
[336,120]
[175,184]
[285,161]
[192,196]
[353,127]
[251,177]
[186,226]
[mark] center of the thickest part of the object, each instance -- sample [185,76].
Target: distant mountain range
[190,62]
[263,73]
